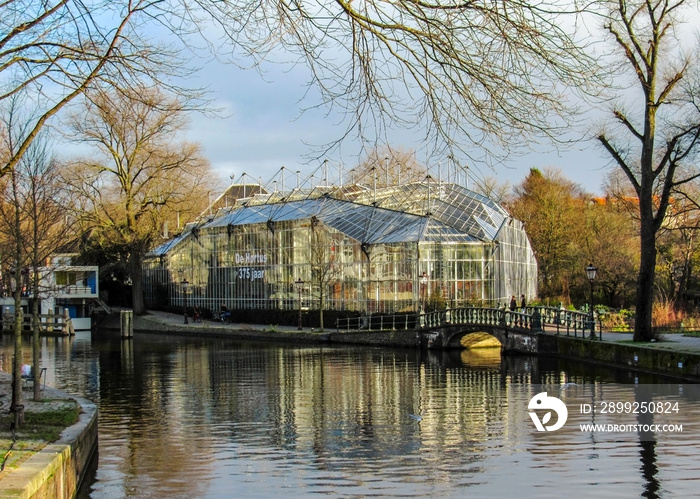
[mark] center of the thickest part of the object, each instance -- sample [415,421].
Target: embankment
[649,358]
[56,471]
[655,358]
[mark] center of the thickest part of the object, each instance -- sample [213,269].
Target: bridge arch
[452,337]
[464,337]
[475,340]
[473,337]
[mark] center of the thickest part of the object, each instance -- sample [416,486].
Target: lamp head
[591,272]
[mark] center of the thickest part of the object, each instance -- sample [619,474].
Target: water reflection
[211,418]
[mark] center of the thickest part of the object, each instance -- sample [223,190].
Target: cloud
[261,127]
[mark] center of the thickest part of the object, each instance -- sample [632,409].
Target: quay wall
[400,338]
[640,357]
[57,470]
[644,358]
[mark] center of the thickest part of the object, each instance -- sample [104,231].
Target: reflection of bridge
[515,330]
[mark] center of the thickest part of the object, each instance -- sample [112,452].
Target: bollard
[68,329]
[126,319]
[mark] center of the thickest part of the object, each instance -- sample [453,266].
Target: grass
[632,342]
[43,424]
[48,425]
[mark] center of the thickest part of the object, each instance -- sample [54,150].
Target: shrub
[615,321]
[692,322]
[664,314]
[436,301]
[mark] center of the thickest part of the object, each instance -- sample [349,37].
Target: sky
[260,128]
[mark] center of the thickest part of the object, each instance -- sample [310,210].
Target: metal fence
[377,322]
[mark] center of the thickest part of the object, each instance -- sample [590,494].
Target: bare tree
[32,215]
[678,240]
[141,175]
[387,166]
[654,141]
[464,74]
[492,188]
[51,52]
[324,267]
[14,254]
[45,206]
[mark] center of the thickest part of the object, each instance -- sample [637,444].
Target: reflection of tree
[647,453]
[647,446]
[344,411]
[151,438]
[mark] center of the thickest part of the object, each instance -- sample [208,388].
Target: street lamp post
[423,289]
[300,285]
[591,274]
[184,298]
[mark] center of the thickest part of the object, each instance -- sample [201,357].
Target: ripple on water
[191,418]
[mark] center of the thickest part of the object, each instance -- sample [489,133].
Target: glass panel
[374,249]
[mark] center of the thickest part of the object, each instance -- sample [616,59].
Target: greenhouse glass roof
[406,213]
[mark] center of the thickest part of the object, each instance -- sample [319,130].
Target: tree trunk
[17,365]
[321,300]
[36,346]
[645,285]
[679,299]
[136,273]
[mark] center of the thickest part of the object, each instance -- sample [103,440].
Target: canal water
[207,418]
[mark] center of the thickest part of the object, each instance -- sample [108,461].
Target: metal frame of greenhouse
[352,247]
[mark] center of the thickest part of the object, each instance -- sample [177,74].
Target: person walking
[523,303]
[513,304]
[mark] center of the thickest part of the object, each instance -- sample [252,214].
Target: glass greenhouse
[353,248]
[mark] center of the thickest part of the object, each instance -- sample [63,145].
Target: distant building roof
[235,194]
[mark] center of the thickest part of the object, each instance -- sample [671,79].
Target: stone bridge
[517,331]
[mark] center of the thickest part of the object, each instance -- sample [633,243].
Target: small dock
[49,324]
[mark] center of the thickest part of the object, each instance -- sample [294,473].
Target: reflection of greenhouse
[354,248]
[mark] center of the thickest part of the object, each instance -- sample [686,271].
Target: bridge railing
[478,316]
[565,321]
[549,319]
[560,320]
